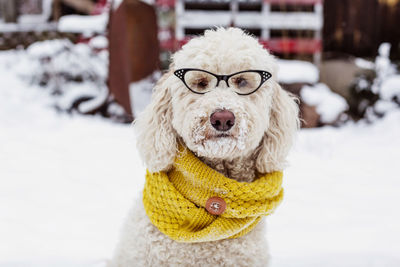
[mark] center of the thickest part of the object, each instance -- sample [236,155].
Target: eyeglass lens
[242,83]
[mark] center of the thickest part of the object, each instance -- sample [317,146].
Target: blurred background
[75,73]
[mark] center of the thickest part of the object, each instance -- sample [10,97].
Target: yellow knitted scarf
[175,201]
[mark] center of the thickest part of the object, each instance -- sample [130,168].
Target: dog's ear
[280,134]
[156,138]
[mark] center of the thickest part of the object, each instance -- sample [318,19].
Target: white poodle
[241,125]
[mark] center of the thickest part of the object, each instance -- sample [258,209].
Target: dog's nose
[222,120]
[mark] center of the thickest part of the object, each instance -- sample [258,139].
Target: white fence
[265,19]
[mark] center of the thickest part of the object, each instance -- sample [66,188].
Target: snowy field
[66,183]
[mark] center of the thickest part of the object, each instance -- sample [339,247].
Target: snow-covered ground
[66,183]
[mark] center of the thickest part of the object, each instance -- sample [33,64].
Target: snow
[140,92]
[296,71]
[116,3]
[48,48]
[18,27]
[97,101]
[61,178]
[390,88]
[46,8]
[99,42]
[67,182]
[66,57]
[31,22]
[69,71]
[83,24]
[382,106]
[329,105]
[384,50]
[364,64]
[383,66]
[341,198]
[250,19]
[74,91]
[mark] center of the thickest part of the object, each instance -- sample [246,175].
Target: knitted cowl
[175,201]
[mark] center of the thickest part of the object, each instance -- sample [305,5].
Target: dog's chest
[241,170]
[249,250]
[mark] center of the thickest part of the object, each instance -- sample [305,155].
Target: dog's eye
[202,83]
[240,82]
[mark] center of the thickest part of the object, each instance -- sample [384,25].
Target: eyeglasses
[243,82]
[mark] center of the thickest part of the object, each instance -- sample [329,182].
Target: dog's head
[218,115]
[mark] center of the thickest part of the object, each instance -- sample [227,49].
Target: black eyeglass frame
[265,76]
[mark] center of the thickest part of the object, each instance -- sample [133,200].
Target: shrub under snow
[76,74]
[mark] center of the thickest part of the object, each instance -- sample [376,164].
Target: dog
[209,103]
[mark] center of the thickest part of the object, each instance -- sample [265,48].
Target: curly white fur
[265,124]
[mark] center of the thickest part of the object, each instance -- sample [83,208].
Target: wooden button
[215,205]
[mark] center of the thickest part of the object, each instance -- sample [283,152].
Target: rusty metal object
[134,49]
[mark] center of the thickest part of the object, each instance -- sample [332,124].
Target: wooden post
[84,6]
[318,9]
[266,9]
[56,10]
[179,9]
[234,6]
[9,10]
